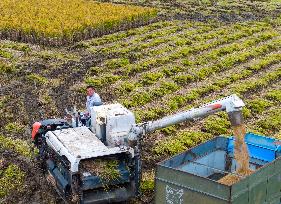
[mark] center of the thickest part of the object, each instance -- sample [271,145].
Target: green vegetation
[14,128]
[17,145]
[147,183]
[258,105]
[6,69]
[2,102]
[49,55]
[106,169]
[150,78]
[180,142]
[117,63]
[11,179]
[271,123]
[155,70]
[37,79]
[110,171]
[217,125]
[16,46]
[274,95]
[5,54]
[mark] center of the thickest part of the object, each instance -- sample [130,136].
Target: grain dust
[241,156]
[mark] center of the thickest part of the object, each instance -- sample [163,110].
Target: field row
[265,106]
[232,83]
[121,68]
[182,79]
[191,42]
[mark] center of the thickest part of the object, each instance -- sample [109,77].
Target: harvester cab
[100,163]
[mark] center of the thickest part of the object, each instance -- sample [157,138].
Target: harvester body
[71,152]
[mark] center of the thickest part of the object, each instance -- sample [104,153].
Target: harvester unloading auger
[101,163]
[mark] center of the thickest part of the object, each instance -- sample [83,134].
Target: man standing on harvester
[93,99]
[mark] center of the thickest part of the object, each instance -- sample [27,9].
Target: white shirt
[91,100]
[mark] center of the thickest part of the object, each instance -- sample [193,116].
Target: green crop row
[200,36]
[183,78]
[176,102]
[14,128]
[176,40]
[179,101]
[15,46]
[36,79]
[147,96]
[227,63]
[214,55]
[130,45]
[274,95]
[271,123]
[6,68]
[180,142]
[124,34]
[258,83]
[219,52]
[11,179]
[185,51]
[124,68]
[226,36]
[154,39]
[5,54]
[19,146]
[103,80]
[219,124]
[258,105]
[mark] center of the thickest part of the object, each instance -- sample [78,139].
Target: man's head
[90,90]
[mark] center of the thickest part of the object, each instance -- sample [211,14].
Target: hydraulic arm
[232,105]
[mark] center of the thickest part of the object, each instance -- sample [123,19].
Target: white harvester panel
[112,123]
[78,143]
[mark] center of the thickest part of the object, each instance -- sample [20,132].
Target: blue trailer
[192,177]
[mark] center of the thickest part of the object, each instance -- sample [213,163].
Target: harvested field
[180,61]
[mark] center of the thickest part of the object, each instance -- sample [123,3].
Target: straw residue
[105,169]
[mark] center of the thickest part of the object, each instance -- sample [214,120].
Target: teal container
[192,176]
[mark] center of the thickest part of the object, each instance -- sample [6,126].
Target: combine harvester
[71,153]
